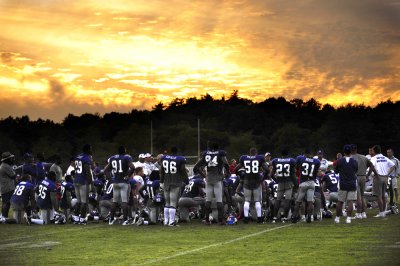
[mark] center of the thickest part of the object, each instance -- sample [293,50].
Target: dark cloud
[56,89]
[6,57]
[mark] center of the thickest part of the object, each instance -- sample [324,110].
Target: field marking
[183,253]
[51,233]
[23,245]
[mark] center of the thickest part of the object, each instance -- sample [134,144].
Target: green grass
[374,241]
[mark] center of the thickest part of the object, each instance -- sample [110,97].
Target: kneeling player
[47,199]
[23,199]
[192,197]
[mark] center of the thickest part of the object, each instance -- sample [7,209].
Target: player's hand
[162,186]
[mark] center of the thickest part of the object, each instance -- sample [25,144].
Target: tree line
[274,125]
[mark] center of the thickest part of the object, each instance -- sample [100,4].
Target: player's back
[284,169]
[22,193]
[308,168]
[44,189]
[253,170]
[81,161]
[172,168]
[331,181]
[214,164]
[120,166]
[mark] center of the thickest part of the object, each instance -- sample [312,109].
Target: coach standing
[347,168]
[7,181]
[384,166]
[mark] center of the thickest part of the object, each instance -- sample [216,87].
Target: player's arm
[226,166]
[53,198]
[185,176]
[265,167]
[32,199]
[162,176]
[371,170]
[197,169]
[107,171]
[88,173]
[239,166]
[239,188]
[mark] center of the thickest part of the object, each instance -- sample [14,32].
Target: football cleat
[364,215]
[348,220]
[112,221]
[337,219]
[274,220]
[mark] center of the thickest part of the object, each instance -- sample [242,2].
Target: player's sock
[220,211]
[246,208]
[166,215]
[172,212]
[258,209]
[37,221]
[207,210]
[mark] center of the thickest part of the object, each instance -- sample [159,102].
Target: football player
[106,197]
[67,192]
[173,173]
[23,199]
[118,167]
[308,169]
[217,167]
[283,171]
[330,181]
[47,199]
[192,197]
[254,166]
[150,192]
[83,181]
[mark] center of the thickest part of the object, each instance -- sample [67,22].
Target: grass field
[319,243]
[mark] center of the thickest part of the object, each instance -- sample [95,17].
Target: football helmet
[231,220]
[327,214]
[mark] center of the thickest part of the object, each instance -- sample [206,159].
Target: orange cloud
[99,56]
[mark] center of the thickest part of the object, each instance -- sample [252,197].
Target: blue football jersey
[107,193]
[253,170]
[44,189]
[173,169]
[308,168]
[65,188]
[80,175]
[22,193]
[284,168]
[273,187]
[331,180]
[193,188]
[120,167]
[150,189]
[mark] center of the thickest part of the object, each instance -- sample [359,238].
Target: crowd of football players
[165,190]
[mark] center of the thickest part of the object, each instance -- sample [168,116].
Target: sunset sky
[59,57]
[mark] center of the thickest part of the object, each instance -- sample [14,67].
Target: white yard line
[213,245]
